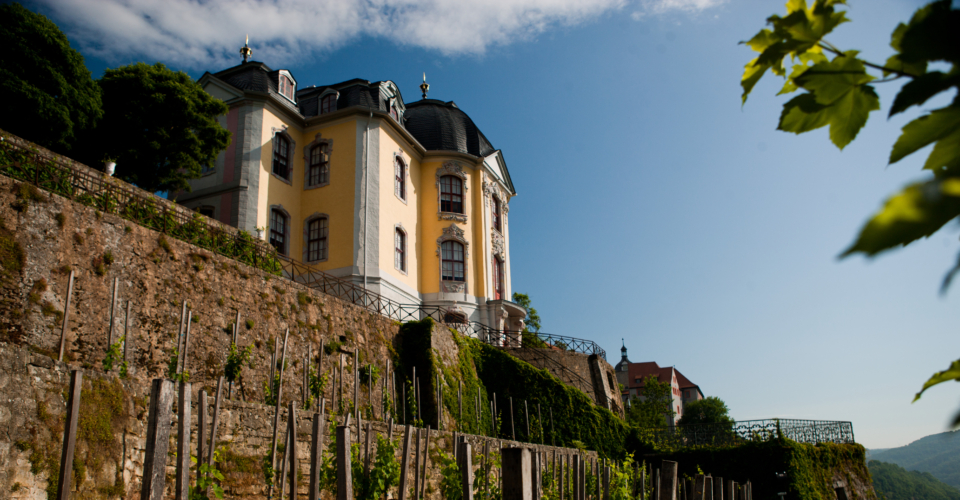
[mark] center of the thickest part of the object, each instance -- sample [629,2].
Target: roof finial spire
[424,87]
[246,51]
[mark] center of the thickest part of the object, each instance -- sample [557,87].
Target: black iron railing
[516,339]
[801,431]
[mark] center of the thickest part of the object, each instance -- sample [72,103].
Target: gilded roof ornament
[424,87]
[246,51]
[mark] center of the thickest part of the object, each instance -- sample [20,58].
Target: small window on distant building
[317,240]
[286,87]
[328,104]
[451,194]
[281,156]
[319,166]
[278,231]
[206,210]
[400,252]
[498,291]
[400,178]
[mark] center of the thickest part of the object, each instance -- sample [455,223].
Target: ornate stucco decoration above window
[451,168]
[490,189]
[498,249]
[452,232]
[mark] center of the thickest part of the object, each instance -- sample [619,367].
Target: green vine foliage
[172,368]
[208,478]
[450,486]
[236,359]
[114,356]
[317,385]
[146,212]
[485,483]
[384,471]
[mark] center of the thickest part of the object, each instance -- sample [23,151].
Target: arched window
[400,250]
[279,225]
[394,113]
[281,156]
[496,214]
[400,178]
[451,194]
[319,166]
[498,291]
[452,265]
[317,239]
[328,104]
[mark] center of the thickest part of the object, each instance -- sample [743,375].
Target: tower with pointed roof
[409,200]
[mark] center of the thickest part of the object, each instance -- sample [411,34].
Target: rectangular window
[319,167]
[281,151]
[400,257]
[317,239]
[278,231]
[451,194]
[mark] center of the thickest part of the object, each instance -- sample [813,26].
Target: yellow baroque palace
[409,200]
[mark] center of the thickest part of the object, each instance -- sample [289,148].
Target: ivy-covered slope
[494,372]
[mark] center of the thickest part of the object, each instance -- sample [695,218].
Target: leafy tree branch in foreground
[835,89]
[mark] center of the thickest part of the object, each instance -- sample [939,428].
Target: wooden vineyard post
[416,467]
[183,319]
[113,310]
[405,462]
[276,411]
[344,477]
[213,430]
[426,462]
[535,474]
[186,344]
[70,435]
[316,451]
[292,448]
[183,442]
[201,425]
[575,480]
[540,422]
[516,474]
[158,440]
[668,481]
[606,482]
[513,432]
[717,488]
[366,449]
[699,487]
[708,488]
[466,470]
[526,412]
[66,318]
[127,338]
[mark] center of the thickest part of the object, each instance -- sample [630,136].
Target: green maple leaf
[838,97]
[940,125]
[917,211]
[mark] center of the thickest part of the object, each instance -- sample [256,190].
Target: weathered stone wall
[33,389]
[589,373]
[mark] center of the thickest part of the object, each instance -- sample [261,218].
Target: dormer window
[287,87]
[394,113]
[328,104]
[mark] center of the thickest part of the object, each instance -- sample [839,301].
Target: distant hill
[938,454]
[873,453]
[895,483]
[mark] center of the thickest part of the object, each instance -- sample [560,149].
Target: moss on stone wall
[811,469]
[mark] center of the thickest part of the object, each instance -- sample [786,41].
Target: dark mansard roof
[442,126]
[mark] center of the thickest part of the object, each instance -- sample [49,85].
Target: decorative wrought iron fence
[801,431]
[515,339]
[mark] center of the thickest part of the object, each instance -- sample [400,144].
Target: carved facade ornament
[452,216]
[452,168]
[452,232]
[498,246]
[454,286]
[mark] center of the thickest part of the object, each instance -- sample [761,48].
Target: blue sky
[652,207]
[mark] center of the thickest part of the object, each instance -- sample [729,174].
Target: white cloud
[207,33]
